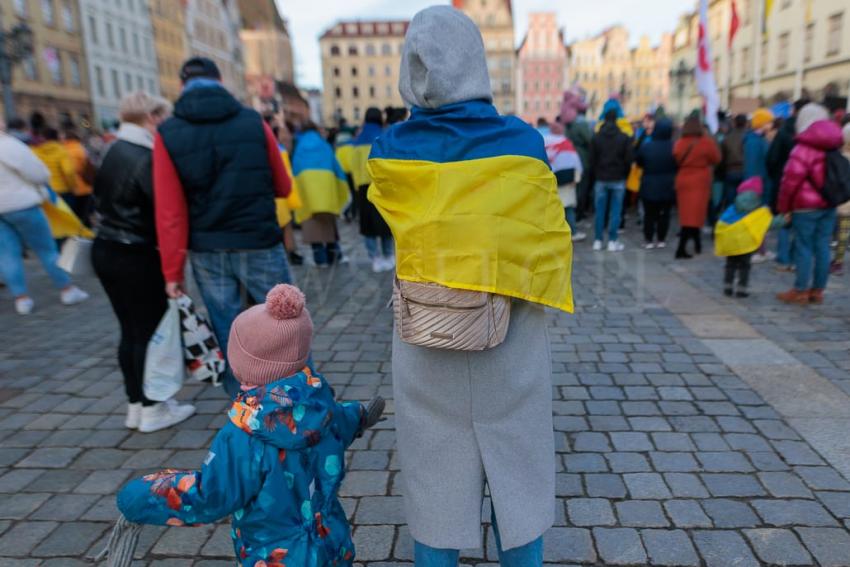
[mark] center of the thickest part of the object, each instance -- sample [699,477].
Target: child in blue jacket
[277,465]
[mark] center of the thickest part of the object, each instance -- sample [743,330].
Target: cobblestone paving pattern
[665,457]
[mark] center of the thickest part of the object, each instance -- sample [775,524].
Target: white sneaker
[759,258]
[163,415]
[770,255]
[597,245]
[24,305]
[388,263]
[615,246]
[134,416]
[649,246]
[377,264]
[661,245]
[73,295]
[579,236]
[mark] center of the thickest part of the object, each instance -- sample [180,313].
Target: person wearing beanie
[756,146]
[217,170]
[376,234]
[812,217]
[277,464]
[843,210]
[740,231]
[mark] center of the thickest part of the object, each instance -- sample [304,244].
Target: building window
[21,8]
[116,84]
[355,92]
[74,68]
[98,79]
[370,49]
[352,50]
[110,38]
[764,54]
[152,87]
[334,50]
[136,49]
[388,71]
[140,83]
[123,35]
[371,70]
[371,92]
[389,90]
[386,49]
[782,57]
[128,82]
[54,65]
[808,49]
[833,39]
[338,92]
[354,71]
[30,68]
[93,29]
[357,114]
[68,17]
[47,12]
[336,71]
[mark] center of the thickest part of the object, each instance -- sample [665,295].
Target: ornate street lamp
[16,44]
[680,76]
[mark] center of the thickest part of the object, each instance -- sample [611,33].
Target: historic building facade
[542,68]
[212,30]
[360,67]
[118,39]
[55,79]
[168,19]
[265,40]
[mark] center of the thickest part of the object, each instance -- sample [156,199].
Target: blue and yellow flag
[343,156]
[293,202]
[737,233]
[473,204]
[361,147]
[321,182]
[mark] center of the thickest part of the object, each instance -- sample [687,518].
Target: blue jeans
[227,279]
[784,250]
[812,234]
[28,226]
[326,254]
[387,246]
[608,194]
[528,555]
[570,213]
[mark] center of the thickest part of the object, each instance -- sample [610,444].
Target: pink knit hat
[753,184]
[271,341]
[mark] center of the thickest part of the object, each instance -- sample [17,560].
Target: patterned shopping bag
[204,359]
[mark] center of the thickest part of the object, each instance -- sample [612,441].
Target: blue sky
[581,18]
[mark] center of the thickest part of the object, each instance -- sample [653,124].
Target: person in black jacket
[611,156]
[658,183]
[125,255]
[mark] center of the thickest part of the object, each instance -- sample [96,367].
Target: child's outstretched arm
[355,418]
[229,478]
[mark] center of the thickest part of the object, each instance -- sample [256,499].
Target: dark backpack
[836,189]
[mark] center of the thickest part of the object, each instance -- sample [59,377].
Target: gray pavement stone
[49,458]
[720,484]
[837,502]
[605,485]
[182,541]
[793,513]
[730,513]
[70,539]
[619,546]
[585,512]
[569,545]
[687,514]
[669,547]
[641,514]
[646,485]
[830,546]
[723,549]
[373,543]
[784,485]
[778,547]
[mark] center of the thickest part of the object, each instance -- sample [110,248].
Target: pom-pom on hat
[752,185]
[272,340]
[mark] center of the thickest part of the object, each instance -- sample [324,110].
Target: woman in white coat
[22,222]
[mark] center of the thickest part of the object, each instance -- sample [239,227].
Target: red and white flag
[706,85]
[734,23]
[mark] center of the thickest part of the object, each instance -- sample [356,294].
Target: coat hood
[747,202]
[207,104]
[612,104]
[810,114]
[291,414]
[663,130]
[824,135]
[50,149]
[443,61]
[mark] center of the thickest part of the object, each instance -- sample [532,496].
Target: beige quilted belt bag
[431,315]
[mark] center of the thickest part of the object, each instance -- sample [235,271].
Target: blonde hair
[138,106]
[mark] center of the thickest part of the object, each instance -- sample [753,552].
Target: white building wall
[118,40]
[212,28]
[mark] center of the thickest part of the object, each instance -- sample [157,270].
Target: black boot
[296,259]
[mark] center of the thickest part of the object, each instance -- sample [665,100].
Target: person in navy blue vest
[217,170]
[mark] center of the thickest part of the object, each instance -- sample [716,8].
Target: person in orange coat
[84,173]
[696,154]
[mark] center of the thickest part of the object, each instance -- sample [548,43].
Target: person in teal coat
[277,464]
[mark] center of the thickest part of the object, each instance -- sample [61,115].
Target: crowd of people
[657,166]
[460,203]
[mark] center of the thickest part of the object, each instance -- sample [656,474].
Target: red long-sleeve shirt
[172,210]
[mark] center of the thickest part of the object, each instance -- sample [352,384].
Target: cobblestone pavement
[691,429]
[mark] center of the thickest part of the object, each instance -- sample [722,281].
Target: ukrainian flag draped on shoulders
[285,206]
[473,204]
[738,233]
[361,147]
[321,181]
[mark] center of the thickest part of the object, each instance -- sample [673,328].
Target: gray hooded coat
[466,418]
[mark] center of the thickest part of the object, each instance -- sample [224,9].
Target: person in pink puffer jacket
[800,198]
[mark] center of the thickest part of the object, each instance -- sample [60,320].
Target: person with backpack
[804,197]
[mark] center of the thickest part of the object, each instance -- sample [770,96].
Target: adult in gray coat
[464,419]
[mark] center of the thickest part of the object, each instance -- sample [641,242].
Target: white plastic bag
[165,367]
[75,257]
